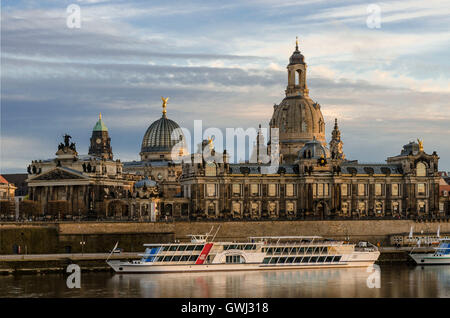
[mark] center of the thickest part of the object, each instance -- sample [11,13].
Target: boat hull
[430,259]
[127,267]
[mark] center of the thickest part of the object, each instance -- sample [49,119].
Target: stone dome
[296,58]
[313,150]
[147,182]
[299,117]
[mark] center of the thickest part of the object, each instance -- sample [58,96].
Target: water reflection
[396,281]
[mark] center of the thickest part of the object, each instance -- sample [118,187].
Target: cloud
[385,86]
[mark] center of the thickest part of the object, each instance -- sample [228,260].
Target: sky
[222,62]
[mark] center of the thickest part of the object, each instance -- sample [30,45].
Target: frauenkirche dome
[298,118]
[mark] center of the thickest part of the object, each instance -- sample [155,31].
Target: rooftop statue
[67,140]
[420,142]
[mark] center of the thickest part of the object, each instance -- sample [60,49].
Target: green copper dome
[100,126]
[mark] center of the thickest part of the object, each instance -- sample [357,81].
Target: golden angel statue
[420,142]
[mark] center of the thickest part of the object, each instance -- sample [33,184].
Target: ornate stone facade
[313,182]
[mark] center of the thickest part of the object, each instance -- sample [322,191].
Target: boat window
[250,247]
[313,259]
[184,258]
[273,260]
[290,260]
[285,250]
[234,259]
[305,260]
[173,248]
[322,259]
[190,247]
[282,260]
[193,258]
[167,258]
[278,250]
[297,260]
[329,259]
[270,250]
[301,250]
[176,258]
[337,258]
[309,250]
[266,260]
[293,250]
[198,247]
[182,248]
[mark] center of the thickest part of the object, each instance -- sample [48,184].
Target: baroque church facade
[314,180]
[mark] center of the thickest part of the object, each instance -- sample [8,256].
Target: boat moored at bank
[258,253]
[441,256]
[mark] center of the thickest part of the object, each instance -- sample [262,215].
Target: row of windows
[272,190]
[306,259]
[180,248]
[362,189]
[240,247]
[233,259]
[319,189]
[296,250]
[173,258]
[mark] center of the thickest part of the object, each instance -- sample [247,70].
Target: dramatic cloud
[223,63]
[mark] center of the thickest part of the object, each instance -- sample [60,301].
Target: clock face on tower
[98,140]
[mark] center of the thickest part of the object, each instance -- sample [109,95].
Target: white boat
[440,257]
[258,253]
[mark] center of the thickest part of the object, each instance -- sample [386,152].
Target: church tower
[298,118]
[297,74]
[336,143]
[100,141]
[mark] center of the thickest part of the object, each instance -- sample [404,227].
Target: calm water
[395,281]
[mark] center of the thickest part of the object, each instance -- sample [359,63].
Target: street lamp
[82,243]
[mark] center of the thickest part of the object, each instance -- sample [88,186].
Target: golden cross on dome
[296,43]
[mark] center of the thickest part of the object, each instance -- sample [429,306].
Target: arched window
[210,169]
[421,170]
[298,75]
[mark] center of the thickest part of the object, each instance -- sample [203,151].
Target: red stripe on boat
[205,251]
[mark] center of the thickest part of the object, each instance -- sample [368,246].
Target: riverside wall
[65,237]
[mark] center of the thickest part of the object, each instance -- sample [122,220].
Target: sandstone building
[314,179]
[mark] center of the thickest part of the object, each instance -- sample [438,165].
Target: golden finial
[164,100]
[210,143]
[296,43]
[420,144]
[100,116]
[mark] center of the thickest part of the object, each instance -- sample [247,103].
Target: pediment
[59,174]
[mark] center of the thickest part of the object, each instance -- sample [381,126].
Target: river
[388,281]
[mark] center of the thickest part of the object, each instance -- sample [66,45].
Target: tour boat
[441,256]
[258,253]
